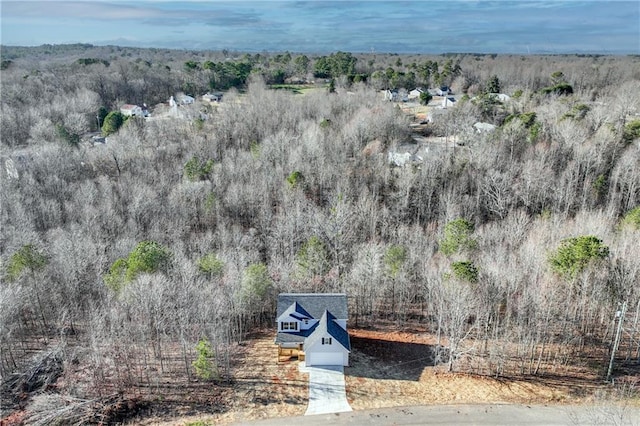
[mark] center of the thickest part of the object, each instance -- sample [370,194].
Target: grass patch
[297,89]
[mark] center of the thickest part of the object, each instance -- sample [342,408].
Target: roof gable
[328,325]
[314,304]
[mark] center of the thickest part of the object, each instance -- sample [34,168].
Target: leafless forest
[118,258]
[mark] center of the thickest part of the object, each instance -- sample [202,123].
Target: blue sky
[610,27]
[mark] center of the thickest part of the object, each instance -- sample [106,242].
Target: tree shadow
[391,360]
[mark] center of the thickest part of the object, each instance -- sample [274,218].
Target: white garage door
[324,358]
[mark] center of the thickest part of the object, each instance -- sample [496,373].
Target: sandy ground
[388,369]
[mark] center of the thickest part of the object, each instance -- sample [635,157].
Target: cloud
[143,12]
[393,26]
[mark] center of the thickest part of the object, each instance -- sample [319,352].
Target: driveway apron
[326,390]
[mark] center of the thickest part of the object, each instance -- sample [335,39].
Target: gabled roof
[314,304]
[297,311]
[328,325]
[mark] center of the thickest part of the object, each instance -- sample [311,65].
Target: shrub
[204,363]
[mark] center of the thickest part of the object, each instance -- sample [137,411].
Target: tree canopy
[28,257]
[457,237]
[575,254]
[147,257]
[112,122]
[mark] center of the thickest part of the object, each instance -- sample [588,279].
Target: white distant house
[448,101]
[443,91]
[415,93]
[404,155]
[484,127]
[131,110]
[183,99]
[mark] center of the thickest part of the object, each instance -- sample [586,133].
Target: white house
[448,101]
[185,99]
[313,327]
[131,110]
[415,94]
[484,127]
[443,91]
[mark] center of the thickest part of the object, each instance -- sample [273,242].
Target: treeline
[515,249]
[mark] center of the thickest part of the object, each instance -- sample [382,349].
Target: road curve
[485,414]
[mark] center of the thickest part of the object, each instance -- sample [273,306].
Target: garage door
[324,358]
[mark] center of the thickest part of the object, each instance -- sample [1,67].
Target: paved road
[326,390]
[489,414]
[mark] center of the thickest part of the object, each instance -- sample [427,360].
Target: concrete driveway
[326,390]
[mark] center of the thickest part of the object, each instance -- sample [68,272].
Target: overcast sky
[610,27]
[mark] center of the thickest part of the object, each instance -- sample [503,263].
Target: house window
[293,326]
[326,340]
[306,322]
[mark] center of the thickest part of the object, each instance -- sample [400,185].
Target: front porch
[286,354]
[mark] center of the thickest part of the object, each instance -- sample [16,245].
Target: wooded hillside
[516,248]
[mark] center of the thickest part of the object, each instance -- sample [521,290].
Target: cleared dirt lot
[388,369]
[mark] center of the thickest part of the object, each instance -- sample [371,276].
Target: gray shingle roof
[295,336]
[315,303]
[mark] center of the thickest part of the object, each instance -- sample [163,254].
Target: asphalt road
[488,414]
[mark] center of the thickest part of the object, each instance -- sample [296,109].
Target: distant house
[391,95]
[183,99]
[484,127]
[212,97]
[415,93]
[404,155]
[443,91]
[448,101]
[313,327]
[396,95]
[131,110]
